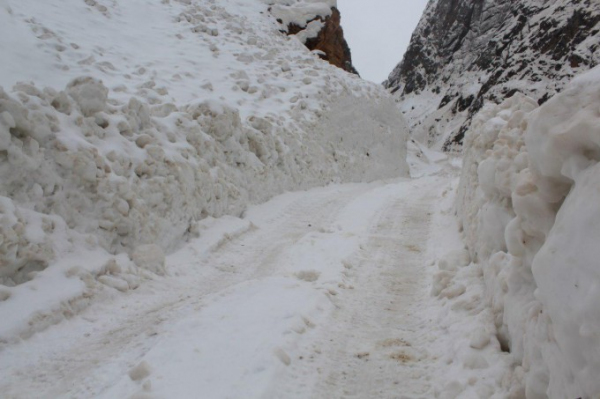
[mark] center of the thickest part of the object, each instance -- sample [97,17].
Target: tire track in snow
[56,363]
[376,343]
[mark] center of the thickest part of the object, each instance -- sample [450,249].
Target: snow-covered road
[316,294]
[374,344]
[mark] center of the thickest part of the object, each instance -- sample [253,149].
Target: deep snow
[124,126]
[529,206]
[322,293]
[136,139]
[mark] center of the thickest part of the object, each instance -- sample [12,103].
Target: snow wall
[529,203]
[118,161]
[131,174]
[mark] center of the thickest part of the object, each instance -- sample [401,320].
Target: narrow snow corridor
[316,294]
[199,201]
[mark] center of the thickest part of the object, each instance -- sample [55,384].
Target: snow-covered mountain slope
[465,53]
[530,207]
[125,123]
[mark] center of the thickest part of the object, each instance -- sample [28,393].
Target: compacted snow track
[317,294]
[374,345]
[386,333]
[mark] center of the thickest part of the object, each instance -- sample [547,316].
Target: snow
[192,203]
[312,30]
[125,125]
[528,204]
[311,294]
[299,12]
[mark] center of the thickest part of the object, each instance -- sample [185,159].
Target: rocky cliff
[468,52]
[318,26]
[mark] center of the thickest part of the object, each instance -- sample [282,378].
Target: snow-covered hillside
[125,124]
[465,53]
[529,204]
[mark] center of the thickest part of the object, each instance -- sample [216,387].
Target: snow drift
[128,123]
[529,205]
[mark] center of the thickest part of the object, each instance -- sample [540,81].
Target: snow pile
[528,202]
[300,12]
[138,120]
[474,365]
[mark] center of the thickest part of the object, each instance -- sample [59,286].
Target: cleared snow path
[316,294]
[375,343]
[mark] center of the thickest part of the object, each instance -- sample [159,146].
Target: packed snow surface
[356,290]
[124,126]
[136,139]
[529,204]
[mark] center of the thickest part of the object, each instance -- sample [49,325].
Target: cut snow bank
[142,147]
[530,207]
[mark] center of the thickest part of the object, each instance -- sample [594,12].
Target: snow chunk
[312,30]
[6,123]
[140,371]
[150,257]
[89,93]
[480,339]
[114,282]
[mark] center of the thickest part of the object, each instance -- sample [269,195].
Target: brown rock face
[330,41]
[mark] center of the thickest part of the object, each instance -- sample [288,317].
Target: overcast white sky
[378,32]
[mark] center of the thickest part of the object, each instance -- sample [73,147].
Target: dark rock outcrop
[467,52]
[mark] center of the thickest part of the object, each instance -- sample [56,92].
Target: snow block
[150,257]
[89,94]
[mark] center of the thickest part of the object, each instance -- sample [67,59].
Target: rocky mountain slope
[528,205]
[468,52]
